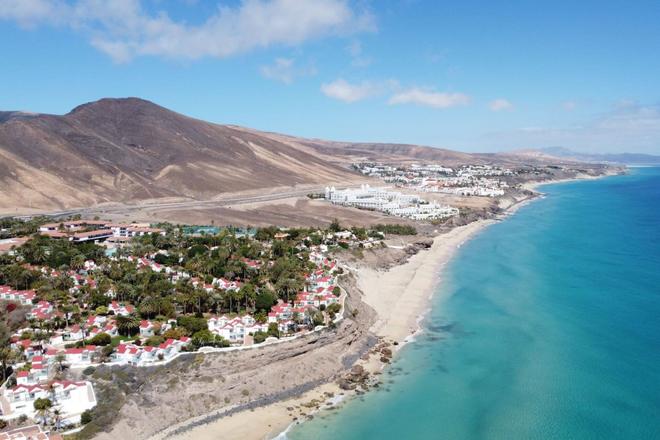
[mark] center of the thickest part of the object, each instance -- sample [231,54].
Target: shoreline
[420,275]
[401,297]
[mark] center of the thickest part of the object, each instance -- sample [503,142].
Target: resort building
[389,202]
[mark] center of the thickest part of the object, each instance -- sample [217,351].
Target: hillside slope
[131,149]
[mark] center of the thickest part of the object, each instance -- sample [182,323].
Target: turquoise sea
[551,329]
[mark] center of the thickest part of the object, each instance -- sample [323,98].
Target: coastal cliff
[140,403]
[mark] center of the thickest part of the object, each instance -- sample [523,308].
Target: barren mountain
[127,150]
[131,149]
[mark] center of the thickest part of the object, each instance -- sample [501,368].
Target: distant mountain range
[129,149]
[619,158]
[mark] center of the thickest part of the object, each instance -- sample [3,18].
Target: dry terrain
[125,150]
[131,152]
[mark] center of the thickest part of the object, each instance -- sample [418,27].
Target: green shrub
[260,337]
[273,330]
[192,323]
[175,333]
[86,417]
[154,341]
[101,339]
[265,301]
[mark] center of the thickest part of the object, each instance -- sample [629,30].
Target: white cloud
[285,70]
[569,106]
[429,98]
[124,29]
[499,105]
[29,13]
[344,91]
[352,92]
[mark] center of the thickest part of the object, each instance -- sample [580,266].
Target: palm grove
[280,273]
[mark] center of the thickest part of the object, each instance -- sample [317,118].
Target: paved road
[188,204]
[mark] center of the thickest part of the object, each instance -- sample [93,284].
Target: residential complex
[467,180]
[102,309]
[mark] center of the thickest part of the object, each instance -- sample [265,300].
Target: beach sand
[401,294]
[400,297]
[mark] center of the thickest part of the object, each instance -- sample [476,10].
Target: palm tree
[249,293]
[39,255]
[7,356]
[78,262]
[289,286]
[25,277]
[67,310]
[124,290]
[148,307]
[198,264]
[215,299]
[127,324]
[42,409]
[235,296]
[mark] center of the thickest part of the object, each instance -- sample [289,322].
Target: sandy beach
[400,296]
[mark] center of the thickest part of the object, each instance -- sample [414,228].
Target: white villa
[234,330]
[71,398]
[144,355]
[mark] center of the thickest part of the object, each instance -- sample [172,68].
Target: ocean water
[551,330]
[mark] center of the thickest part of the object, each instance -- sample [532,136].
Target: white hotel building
[390,202]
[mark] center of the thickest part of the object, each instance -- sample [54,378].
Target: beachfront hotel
[390,202]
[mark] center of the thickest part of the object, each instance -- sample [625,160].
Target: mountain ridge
[128,150]
[131,149]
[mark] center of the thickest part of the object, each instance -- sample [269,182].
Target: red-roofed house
[146,328]
[120,309]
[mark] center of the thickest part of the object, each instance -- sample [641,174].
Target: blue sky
[468,75]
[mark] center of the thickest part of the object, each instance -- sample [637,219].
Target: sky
[469,75]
